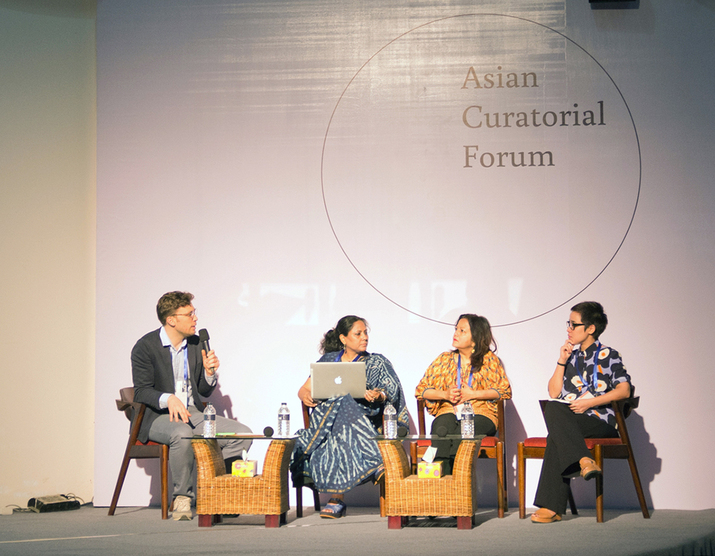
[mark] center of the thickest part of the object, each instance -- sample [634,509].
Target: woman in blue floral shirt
[586,379]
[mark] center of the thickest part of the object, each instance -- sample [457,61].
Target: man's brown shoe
[589,469]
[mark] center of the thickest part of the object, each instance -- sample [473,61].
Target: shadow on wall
[618,488]
[151,468]
[222,403]
[515,432]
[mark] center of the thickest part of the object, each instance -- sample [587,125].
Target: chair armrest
[463,461]
[277,460]
[395,459]
[129,408]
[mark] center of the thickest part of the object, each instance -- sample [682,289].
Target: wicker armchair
[492,447]
[219,492]
[406,495]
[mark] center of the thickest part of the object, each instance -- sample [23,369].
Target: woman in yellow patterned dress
[471,373]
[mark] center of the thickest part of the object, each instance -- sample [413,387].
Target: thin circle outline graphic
[386,45]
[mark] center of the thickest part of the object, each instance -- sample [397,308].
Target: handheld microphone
[204,339]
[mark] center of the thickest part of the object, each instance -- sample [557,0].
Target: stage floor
[141,531]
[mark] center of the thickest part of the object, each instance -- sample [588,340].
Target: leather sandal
[589,469]
[544,515]
[334,509]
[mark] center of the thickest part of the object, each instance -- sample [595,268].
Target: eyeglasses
[191,315]
[571,325]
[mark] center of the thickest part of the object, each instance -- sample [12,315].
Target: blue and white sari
[338,451]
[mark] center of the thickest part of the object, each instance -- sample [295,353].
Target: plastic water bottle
[389,423]
[209,421]
[467,421]
[284,421]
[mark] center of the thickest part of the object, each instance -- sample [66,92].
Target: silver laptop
[330,380]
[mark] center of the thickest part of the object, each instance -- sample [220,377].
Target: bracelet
[561,364]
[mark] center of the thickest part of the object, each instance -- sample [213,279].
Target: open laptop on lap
[333,379]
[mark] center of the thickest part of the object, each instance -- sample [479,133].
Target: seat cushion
[535,442]
[591,442]
[540,442]
[489,442]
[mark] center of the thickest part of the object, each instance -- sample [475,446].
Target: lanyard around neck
[186,367]
[594,378]
[459,373]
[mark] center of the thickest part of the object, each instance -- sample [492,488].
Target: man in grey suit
[170,372]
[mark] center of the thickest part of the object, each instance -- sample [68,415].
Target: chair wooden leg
[572,502]
[505,485]
[273,521]
[206,520]
[465,522]
[316,500]
[164,462]
[501,490]
[299,500]
[521,478]
[382,498]
[394,522]
[637,484]
[120,480]
[599,483]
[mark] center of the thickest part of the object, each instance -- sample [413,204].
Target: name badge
[181,392]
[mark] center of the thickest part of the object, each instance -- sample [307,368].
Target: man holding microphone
[170,371]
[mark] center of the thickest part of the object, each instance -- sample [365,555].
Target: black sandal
[334,509]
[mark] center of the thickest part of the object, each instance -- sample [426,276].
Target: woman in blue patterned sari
[338,451]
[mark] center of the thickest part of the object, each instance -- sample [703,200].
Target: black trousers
[565,446]
[447,449]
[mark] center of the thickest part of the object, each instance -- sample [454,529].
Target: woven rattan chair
[492,447]
[136,450]
[218,492]
[407,495]
[601,448]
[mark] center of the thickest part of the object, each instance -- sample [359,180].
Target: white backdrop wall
[293,162]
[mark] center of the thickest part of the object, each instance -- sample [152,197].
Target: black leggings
[447,449]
